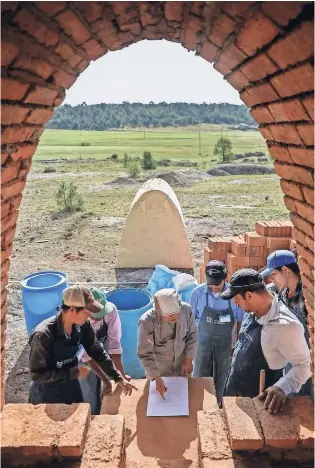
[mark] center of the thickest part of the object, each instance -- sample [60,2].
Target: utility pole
[199,141]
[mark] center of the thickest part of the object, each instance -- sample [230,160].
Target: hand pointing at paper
[160,387]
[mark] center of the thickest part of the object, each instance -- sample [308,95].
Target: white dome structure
[155,231]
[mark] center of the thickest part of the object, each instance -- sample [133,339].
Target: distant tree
[223,147]
[148,161]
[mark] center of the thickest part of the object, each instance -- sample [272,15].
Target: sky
[151,71]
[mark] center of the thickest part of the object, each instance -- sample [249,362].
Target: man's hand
[126,386]
[107,387]
[160,387]
[275,399]
[187,367]
[83,372]
[126,377]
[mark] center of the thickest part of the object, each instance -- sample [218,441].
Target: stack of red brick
[251,249]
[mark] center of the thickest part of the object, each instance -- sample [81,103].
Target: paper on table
[176,398]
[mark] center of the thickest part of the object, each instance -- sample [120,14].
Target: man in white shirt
[270,337]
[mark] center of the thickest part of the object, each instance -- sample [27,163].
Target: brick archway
[264,50]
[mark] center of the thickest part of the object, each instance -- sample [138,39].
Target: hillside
[132,115]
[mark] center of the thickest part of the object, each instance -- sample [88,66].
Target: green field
[168,143]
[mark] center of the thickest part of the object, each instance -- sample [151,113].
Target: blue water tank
[41,295]
[131,304]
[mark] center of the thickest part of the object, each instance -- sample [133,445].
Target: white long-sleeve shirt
[283,341]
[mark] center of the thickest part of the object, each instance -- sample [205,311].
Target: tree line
[131,115]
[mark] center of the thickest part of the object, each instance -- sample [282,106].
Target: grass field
[169,143]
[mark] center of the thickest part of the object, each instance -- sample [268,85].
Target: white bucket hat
[168,301]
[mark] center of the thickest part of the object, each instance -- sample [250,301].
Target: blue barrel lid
[62,278]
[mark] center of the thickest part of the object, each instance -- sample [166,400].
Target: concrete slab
[162,441]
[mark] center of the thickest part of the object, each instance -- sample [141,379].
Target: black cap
[215,272]
[242,281]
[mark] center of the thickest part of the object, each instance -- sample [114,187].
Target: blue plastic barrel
[41,295]
[131,304]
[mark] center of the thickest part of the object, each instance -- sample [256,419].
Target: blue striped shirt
[198,302]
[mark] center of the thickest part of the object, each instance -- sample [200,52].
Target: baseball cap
[101,299]
[242,281]
[215,272]
[168,300]
[277,259]
[79,296]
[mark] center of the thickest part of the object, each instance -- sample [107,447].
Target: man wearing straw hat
[54,345]
[167,338]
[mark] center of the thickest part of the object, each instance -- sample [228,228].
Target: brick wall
[264,50]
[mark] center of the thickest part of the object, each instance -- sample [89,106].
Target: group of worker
[176,338]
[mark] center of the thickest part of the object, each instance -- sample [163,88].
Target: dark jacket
[53,353]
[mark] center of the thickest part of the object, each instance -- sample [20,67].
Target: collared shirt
[113,333]
[283,341]
[198,302]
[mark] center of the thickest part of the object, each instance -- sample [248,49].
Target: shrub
[49,169]
[134,169]
[126,159]
[85,143]
[68,198]
[148,161]
[114,157]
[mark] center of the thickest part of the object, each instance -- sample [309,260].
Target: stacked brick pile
[251,249]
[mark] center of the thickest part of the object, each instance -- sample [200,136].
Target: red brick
[64,79]
[258,67]
[259,95]
[236,261]
[302,156]
[309,106]
[41,429]
[202,275]
[305,211]
[5,253]
[302,224]
[213,438]
[308,284]
[266,133]
[37,29]
[302,409]
[238,246]
[23,151]
[8,237]
[9,221]
[40,95]
[94,49]
[295,47]
[257,32]
[232,56]
[9,172]
[65,51]
[15,202]
[285,133]
[257,262]
[309,195]
[287,111]
[282,12]
[173,11]
[82,65]
[237,80]
[40,116]
[294,81]
[60,98]
[12,189]
[292,189]
[305,267]
[208,51]
[222,27]
[306,131]
[9,52]
[5,208]
[277,243]
[294,173]
[99,448]
[17,134]
[34,65]
[213,255]
[262,114]
[242,423]
[71,24]
[91,11]
[223,69]
[280,431]
[5,266]
[309,242]
[4,157]
[254,240]
[236,8]
[289,203]
[281,153]
[13,114]
[4,282]
[51,8]
[292,244]
[13,90]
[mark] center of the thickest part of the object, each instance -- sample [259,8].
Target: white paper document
[176,401]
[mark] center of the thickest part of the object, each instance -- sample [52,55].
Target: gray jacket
[161,348]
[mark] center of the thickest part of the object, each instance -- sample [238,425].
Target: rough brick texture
[213,435]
